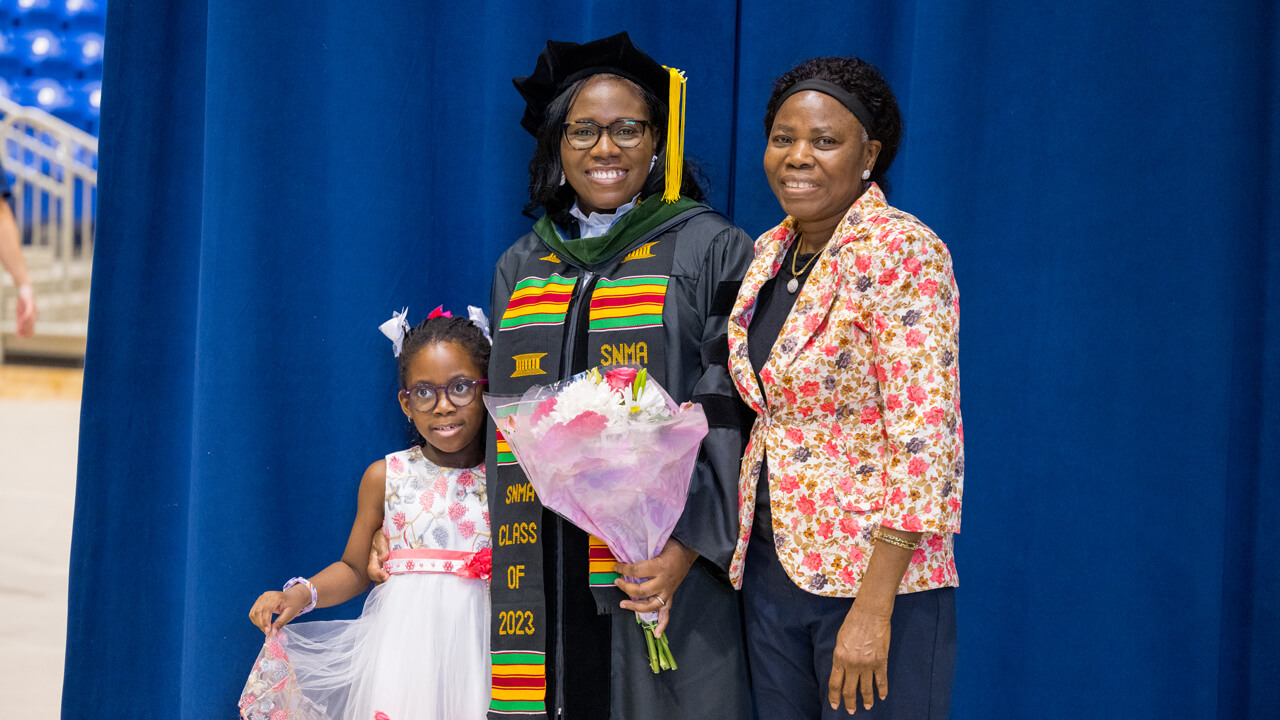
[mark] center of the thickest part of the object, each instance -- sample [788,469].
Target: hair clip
[439,312]
[396,328]
[479,319]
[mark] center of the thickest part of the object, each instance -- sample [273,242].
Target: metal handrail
[55,178]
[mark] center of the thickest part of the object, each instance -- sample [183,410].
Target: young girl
[420,650]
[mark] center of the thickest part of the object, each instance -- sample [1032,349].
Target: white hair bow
[395,329]
[479,320]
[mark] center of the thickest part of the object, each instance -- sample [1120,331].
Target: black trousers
[791,636]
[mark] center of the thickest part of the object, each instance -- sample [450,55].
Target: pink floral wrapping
[626,485]
[859,403]
[272,691]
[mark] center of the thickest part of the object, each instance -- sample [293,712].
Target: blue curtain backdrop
[277,178]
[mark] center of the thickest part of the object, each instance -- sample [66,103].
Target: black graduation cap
[563,63]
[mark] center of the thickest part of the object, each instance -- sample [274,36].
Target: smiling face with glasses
[607,144]
[442,401]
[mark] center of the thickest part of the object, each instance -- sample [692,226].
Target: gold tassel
[675,135]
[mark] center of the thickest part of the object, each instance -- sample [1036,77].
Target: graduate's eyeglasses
[584,134]
[423,397]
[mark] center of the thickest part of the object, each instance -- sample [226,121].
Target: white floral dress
[420,649]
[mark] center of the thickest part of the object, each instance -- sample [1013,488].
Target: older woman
[620,212]
[844,340]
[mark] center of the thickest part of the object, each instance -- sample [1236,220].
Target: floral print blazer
[858,405]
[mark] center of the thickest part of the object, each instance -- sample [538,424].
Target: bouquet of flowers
[613,454]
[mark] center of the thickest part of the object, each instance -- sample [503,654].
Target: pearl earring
[866,174]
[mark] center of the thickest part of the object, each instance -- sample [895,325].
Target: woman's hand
[379,549]
[286,605]
[665,573]
[862,653]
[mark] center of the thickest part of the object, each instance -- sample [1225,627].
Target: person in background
[13,263]
[844,339]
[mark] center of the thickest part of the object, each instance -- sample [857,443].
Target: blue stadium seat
[37,13]
[10,57]
[83,14]
[85,50]
[41,51]
[86,101]
[45,93]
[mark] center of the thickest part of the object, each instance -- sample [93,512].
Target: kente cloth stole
[618,313]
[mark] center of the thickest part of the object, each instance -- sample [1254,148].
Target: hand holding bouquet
[613,454]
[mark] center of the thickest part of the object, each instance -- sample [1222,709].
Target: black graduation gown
[706,258]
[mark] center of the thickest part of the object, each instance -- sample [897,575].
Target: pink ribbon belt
[454,562]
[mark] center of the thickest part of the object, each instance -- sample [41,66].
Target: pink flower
[440,486]
[813,561]
[912,265]
[863,263]
[806,506]
[456,511]
[916,394]
[788,484]
[911,523]
[939,575]
[897,496]
[466,529]
[881,323]
[918,556]
[828,407]
[849,527]
[587,423]
[398,519]
[953,503]
[794,436]
[466,478]
[809,389]
[828,497]
[934,416]
[620,378]
[409,565]
[825,529]
[846,576]
[275,650]
[279,714]
[935,543]
[544,409]
[914,337]
[394,464]
[830,349]
[889,276]
[892,401]
[917,466]
[857,554]
[899,369]
[870,415]
[485,515]
[929,287]
[830,447]
[425,501]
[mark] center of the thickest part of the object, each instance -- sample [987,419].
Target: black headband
[826,87]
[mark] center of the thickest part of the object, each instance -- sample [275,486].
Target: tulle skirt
[419,651]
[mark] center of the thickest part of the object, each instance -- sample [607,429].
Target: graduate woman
[620,216]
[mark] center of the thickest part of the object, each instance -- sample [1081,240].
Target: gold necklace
[794,283]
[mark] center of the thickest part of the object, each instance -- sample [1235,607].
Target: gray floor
[37,497]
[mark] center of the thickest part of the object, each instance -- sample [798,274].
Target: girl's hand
[665,573]
[861,655]
[379,550]
[285,604]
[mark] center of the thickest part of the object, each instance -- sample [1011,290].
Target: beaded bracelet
[893,540]
[311,587]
